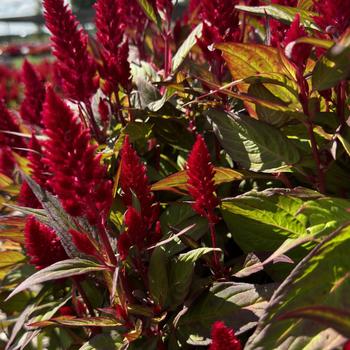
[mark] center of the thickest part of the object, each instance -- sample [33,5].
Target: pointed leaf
[61,269]
[320,279]
[186,47]
[158,276]
[283,13]
[255,145]
[239,305]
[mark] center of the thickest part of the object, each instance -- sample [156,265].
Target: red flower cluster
[223,338]
[9,123]
[110,26]
[334,15]
[297,53]
[140,225]
[42,244]
[78,177]
[75,66]
[9,82]
[220,24]
[200,182]
[32,104]
[7,161]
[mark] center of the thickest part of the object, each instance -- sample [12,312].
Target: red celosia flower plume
[297,53]
[78,178]
[7,161]
[32,104]
[200,173]
[75,66]
[334,15]
[42,244]
[223,338]
[110,27]
[9,123]
[220,24]
[142,228]
[133,179]
[40,172]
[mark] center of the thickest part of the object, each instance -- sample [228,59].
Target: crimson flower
[223,338]
[7,161]
[142,227]
[9,123]
[297,53]
[78,178]
[333,15]
[42,244]
[220,24]
[200,182]
[133,179]
[32,104]
[76,68]
[110,25]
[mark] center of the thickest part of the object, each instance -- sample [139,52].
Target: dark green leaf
[255,145]
[158,276]
[283,13]
[61,269]
[321,279]
[239,305]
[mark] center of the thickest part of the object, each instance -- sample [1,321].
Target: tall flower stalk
[200,172]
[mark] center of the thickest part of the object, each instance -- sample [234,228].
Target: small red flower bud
[42,244]
[223,338]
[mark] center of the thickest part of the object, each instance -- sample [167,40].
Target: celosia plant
[177,178]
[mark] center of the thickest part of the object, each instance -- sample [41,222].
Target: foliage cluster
[179,183]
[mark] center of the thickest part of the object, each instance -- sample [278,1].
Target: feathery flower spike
[200,173]
[78,178]
[133,179]
[115,68]
[334,16]
[297,53]
[42,244]
[76,68]
[223,338]
[32,104]
[9,123]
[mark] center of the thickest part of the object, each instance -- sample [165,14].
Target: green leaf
[179,179]
[177,218]
[10,258]
[321,279]
[328,316]
[282,13]
[239,305]
[262,221]
[282,221]
[331,68]
[158,276]
[186,47]
[72,321]
[61,269]
[103,342]
[255,145]
[247,60]
[181,274]
[149,11]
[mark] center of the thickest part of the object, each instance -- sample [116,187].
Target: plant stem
[107,244]
[341,103]
[213,243]
[84,296]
